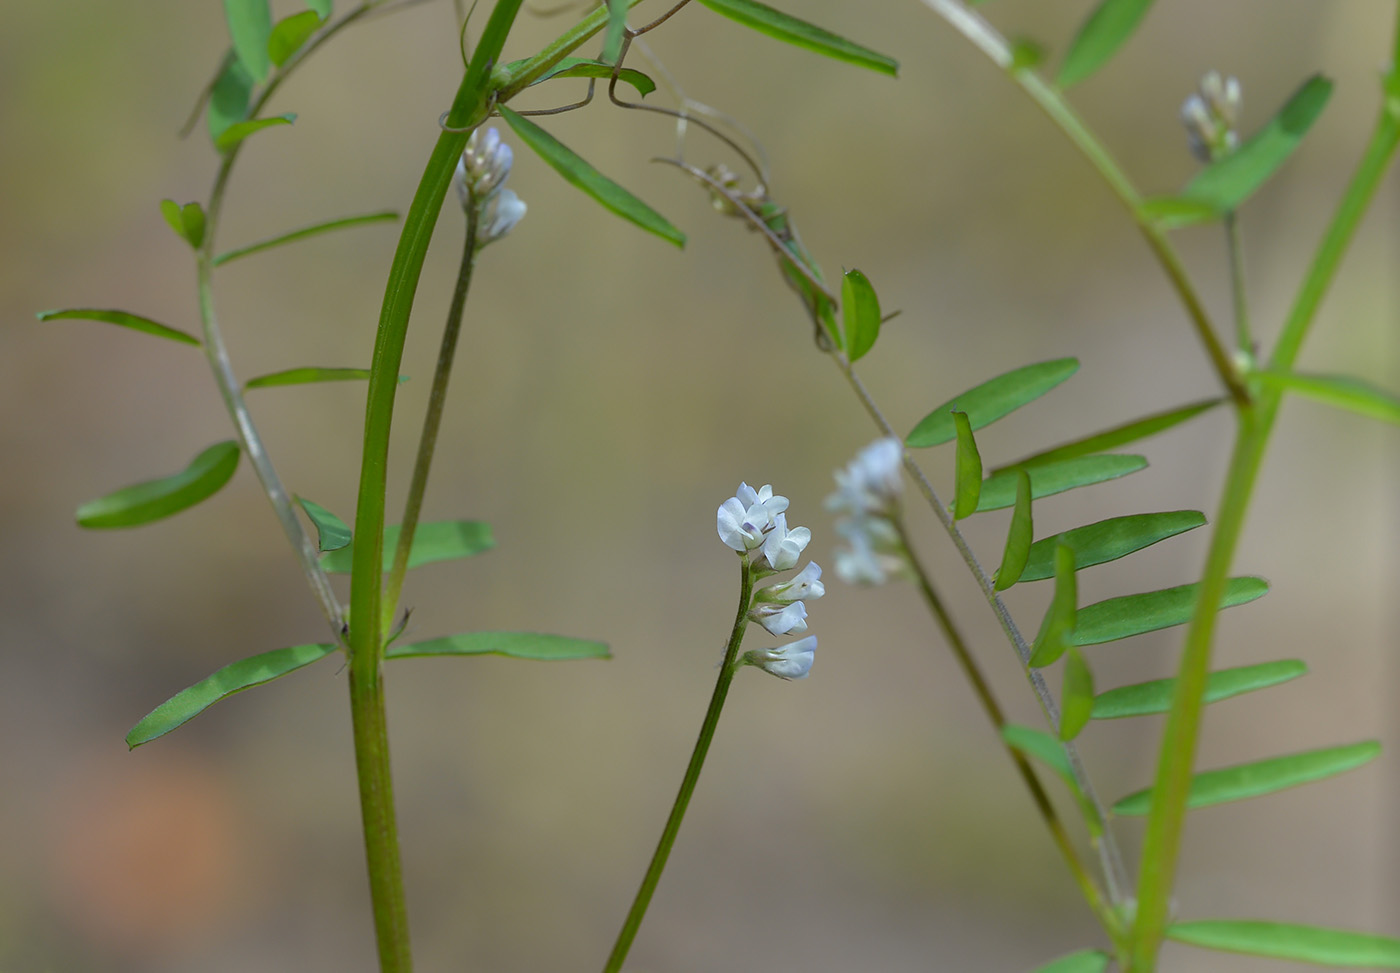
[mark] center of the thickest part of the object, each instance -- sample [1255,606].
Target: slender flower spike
[791,661]
[1211,117]
[479,181]
[867,494]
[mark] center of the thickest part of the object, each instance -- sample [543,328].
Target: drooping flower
[791,661]
[789,619]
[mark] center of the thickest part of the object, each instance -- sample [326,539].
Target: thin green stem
[1106,915]
[1244,341]
[633,922]
[432,418]
[1111,859]
[987,39]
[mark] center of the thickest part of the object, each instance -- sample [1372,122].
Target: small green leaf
[123,318]
[250,26]
[187,221]
[155,499]
[1176,212]
[1129,615]
[1018,538]
[1048,479]
[332,533]
[1226,183]
[239,131]
[1106,30]
[290,34]
[304,232]
[790,30]
[1341,391]
[1261,777]
[322,7]
[583,176]
[1146,698]
[1110,539]
[1130,432]
[1287,940]
[1076,695]
[1057,627]
[968,471]
[612,34]
[517,645]
[229,97]
[1084,961]
[991,400]
[1043,747]
[582,67]
[860,314]
[308,375]
[233,678]
[443,540]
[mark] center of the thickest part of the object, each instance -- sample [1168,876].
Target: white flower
[1211,117]
[502,211]
[735,528]
[805,586]
[874,554]
[782,547]
[791,661]
[871,482]
[763,498]
[789,619]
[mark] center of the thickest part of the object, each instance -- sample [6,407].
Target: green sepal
[860,314]
[1048,479]
[443,540]
[580,174]
[790,30]
[1018,537]
[968,473]
[157,499]
[1292,941]
[516,645]
[239,131]
[332,533]
[1147,698]
[187,221]
[1150,611]
[124,319]
[1108,540]
[988,402]
[1100,36]
[1076,695]
[1260,777]
[1057,627]
[233,678]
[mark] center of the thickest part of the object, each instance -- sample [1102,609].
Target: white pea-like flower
[480,179]
[746,517]
[502,211]
[789,619]
[791,661]
[1211,116]
[870,483]
[782,547]
[806,585]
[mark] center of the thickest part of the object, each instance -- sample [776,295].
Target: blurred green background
[611,392]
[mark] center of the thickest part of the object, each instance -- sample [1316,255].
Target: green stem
[1244,341]
[1106,915]
[692,775]
[432,418]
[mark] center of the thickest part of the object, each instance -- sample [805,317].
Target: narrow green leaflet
[1129,615]
[583,67]
[1076,695]
[155,499]
[332,533]
[1048,479]
[991,400]
[1261,777]
[1018,538]
[230,97]
[612,34]
[1287,940]
[1084,961]
[250,26]
[384,216]
[1174,212]
[1043,747]
[239,131]
[1130,432]
[443,540]
[860,314]
[233,678]
[1145,698]
[1226,183]
[968,471]
[307,375]
[122,318]
[517,645]
[187,221]
[582,175]
[1057,628]
[789,29]
[322,7]
[1106,30]
[290,34]
[1110,539]
[1342,391]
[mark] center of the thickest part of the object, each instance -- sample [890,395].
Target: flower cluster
[1211,116]
[480,182]
[867,497]
[754,523]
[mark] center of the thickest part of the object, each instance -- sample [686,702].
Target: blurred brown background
[611,391]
